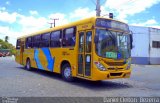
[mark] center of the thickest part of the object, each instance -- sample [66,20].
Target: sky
[18,18]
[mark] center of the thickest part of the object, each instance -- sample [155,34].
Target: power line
[54,22]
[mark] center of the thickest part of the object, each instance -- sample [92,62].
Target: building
[146,45]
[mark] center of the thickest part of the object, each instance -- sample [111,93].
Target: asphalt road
[18,82]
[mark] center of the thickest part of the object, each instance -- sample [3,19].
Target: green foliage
[6,45]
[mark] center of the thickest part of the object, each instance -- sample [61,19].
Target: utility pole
[54,22]
[98,8]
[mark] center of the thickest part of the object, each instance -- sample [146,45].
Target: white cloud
[82,13]
[3,29]
[8,17]
[123,8]
[148,23]
[31,24]
[155,26]
[62,19]
[33,12]
[7,31]
[2,9]
[8,3]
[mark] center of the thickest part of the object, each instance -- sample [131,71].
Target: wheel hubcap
[67,72]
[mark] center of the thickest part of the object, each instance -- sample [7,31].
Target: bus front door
[84,54]
[21,52]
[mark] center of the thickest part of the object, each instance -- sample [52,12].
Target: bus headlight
[100,66]
[128,65]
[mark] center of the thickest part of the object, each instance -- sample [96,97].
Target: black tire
[28,65]
[67,73]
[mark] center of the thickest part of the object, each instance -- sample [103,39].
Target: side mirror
[131,39]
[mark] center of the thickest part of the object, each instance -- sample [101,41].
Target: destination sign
[111,24]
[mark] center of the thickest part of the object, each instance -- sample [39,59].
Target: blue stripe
[39,65]
[49,58]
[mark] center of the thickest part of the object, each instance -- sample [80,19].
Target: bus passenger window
[88,41]
[28,43]
[69,37]
[55,39]
[81,42]
[36,41]
[45,40]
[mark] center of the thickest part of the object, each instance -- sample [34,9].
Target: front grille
[115,63]
[115,74]
[114,68]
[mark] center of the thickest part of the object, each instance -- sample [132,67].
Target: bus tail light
[100,66]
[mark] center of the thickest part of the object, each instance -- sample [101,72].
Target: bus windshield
[111,44]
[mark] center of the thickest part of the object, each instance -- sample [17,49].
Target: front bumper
[103,75]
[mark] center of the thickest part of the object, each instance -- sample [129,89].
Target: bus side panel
[40,58]
[17,56]
[62,54]
[29,53]
[56,54]
[47,59]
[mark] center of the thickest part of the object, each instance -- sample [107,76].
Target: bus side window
[88,41]
[45,40]
[55,39]
[69,37]
[18,44]
[36,41]
[28,43]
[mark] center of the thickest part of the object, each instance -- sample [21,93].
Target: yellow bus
[95,49]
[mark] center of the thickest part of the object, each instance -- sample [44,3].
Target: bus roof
[79,22]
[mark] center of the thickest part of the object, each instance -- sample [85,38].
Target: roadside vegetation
[6,46]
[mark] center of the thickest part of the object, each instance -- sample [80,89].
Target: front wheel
[67,73]
[28,64]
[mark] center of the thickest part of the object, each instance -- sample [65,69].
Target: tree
[6,38]
[7,45]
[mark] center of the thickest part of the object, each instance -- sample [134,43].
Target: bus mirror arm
[131,39]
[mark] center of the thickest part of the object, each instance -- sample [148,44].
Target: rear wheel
[67,73]
[28,64]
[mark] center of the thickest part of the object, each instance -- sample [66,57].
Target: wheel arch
[28,58]
[63,63]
